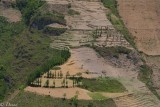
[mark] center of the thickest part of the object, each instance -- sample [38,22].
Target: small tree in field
[47,83]
[47,74]
[55,74]
[58,75]
[64,96]
[54,83]
[40,81]
[67,74]
[66,83]
[61,74]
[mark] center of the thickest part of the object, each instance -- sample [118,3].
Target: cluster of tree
[37,83]
[28,8]
[55,31]
[57,60]
[76,80]
[55,75]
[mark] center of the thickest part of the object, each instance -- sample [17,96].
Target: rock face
[142,19]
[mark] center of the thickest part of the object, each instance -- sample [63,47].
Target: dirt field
[59,92]
[142,20]
[11,14]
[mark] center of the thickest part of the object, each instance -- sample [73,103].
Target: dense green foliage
[103,85]
[54,31]
[22,52]
[8,32]
[26,99]
[111,4]
[3,84]
[59,58]
[28,8]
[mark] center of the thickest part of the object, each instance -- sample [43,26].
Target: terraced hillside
[103,63]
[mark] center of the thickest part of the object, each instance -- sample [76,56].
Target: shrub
[54,31]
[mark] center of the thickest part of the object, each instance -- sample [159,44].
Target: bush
[54,31]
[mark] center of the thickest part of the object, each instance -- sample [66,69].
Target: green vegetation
[112,51]
[43,18]
[54,31]
[28,8]
[145,76]
[145,73]
[111,4]
[97,96]
[114,17]
[73,12]
[56,68]
[24,54]
[26,99]
[103,85]
[59,58]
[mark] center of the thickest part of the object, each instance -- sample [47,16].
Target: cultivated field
[142,20]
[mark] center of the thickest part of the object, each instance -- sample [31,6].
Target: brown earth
[11,14]
[142,18]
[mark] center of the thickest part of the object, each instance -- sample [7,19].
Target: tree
[61,74]
[66,84]
[40,81]
[67,74]
[55,74]
[47,83]
[58,75]
[47,74]
[63,83]
[54,83]
[64,96]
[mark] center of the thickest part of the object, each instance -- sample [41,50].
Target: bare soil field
[11,14]
[59,92]
[142,20]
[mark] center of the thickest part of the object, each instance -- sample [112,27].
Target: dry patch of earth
[142,20]
[11,14]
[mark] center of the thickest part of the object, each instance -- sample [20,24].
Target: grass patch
[97,96]
[103,85]
[56,68]
[27,99]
